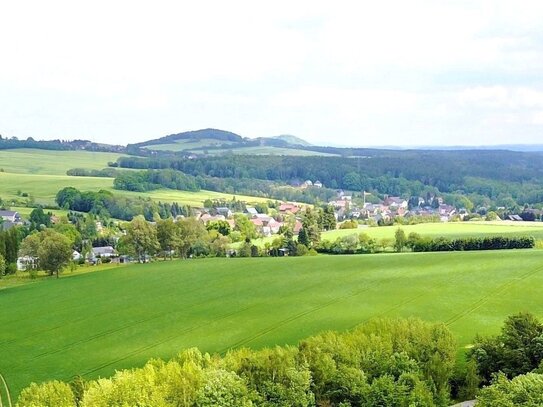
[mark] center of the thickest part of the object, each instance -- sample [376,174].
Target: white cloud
[425,68]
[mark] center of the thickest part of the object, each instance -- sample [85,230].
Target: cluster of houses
[390,208]
[265,224]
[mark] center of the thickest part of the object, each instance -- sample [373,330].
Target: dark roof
[8,213]
[103,250]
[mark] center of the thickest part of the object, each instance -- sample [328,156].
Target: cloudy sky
[343,73]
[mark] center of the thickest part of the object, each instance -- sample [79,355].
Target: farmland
[42,173]
[52,162]
[94,323]
[450,230]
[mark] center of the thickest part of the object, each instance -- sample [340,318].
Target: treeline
[83,172]
[442,244]
[381,363]
[9,247]
[14,142]
[363,243]
[142,181]
[107,205]
[496,175]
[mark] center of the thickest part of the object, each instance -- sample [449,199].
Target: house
[11,216]
[76,255]
[515,218]
[26,263]
[395,202]
[105,251]
[224,211]
[317,184]
[307,183]
[289,208]
[251,211]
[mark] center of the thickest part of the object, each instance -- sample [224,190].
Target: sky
[352,73]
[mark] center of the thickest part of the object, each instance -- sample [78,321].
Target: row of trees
[382,363]
[362,243]
[441,244]
[107,205]
[9,247]
[141,181]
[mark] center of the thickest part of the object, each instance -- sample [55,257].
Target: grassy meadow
[449,230]
[42,173]
[94,323]
[52,162]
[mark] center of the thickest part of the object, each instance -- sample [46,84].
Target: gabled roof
[103,250]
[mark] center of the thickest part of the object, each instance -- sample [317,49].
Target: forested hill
[196,135]
[215,139]
[498,175]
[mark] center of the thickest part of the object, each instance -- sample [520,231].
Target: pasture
[94,323]
[42,173]
[447,229]
[52,162]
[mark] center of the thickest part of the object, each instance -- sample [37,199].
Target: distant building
[317,184]
[105,251]
[10,216]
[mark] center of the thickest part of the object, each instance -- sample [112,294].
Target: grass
[94,323]
[51,162]
[42,173]
[450,230]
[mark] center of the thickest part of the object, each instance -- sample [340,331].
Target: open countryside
[119,318]
[42,173]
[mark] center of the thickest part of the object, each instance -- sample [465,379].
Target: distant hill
[196,135]
[215,141]
[293,140]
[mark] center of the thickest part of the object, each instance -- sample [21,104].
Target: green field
[450,230]
[42,173]
[92,324]
[43,188]
[51,162]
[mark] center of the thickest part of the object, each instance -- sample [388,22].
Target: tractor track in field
[319,307]
[483,300]
[207,323]
[153,317]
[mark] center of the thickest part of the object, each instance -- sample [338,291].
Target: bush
[525,390]
[49,394]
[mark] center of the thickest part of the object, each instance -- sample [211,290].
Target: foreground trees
[382,363]
[518,349]
[51,250]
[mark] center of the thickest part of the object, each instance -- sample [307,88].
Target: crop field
[94,323]
[50,162]
[42,173]
[449,230]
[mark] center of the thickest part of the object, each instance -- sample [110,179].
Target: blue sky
[342,73]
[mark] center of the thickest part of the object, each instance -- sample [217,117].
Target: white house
[105,251]
[26,263]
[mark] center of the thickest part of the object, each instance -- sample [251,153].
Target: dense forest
[14,142]
[141,181]
[503,177]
